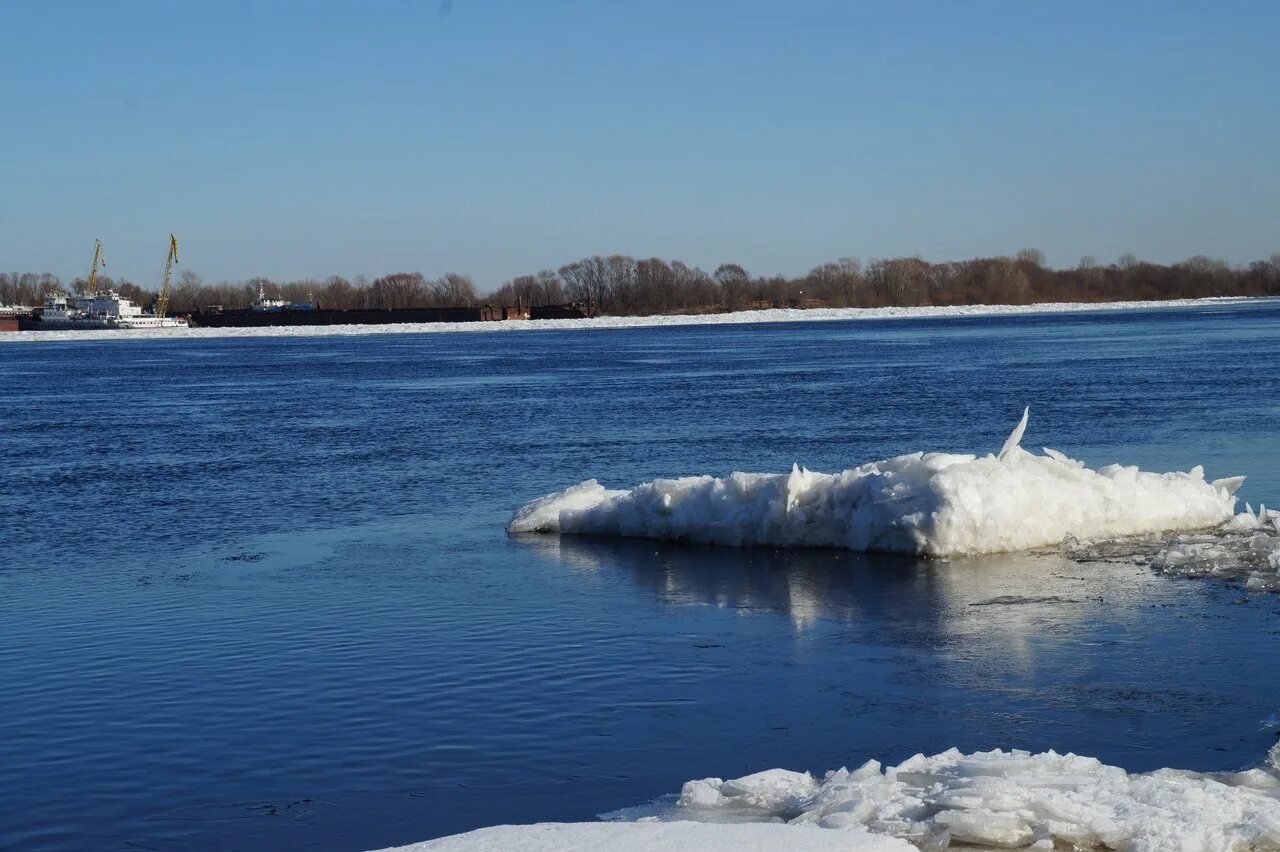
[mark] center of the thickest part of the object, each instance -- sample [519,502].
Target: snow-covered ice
[1005,799]
[1002,799]
[772,315]
[932,504]
[650,836]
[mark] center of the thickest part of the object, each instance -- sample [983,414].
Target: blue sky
[493,137]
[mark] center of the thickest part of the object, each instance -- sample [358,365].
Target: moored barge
[265,312]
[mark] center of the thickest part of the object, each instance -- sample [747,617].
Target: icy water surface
[255,593]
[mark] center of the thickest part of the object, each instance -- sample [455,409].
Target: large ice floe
[931,504]
[1000,799]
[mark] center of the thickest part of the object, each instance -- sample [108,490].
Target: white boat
[102,310]
[106,309]
[263,305]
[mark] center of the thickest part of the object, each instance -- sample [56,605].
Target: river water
[256,593]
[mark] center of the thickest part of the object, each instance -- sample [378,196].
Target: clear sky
[496,137]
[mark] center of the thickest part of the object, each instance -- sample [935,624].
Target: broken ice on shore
[925,503]
[1001,799]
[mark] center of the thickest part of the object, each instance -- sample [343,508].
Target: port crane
[170,261]
[91,286]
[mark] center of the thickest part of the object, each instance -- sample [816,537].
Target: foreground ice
[649,836]
[1002,799]
[932,504]
[1006,799]
[1246,549]
[771,315]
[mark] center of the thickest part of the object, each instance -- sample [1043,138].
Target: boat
[263,305]
[104,310]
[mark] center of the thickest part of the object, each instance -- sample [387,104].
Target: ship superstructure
[96,309]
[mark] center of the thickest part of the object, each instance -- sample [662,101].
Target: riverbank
[773,315]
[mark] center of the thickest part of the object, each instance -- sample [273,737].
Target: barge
[265,312]
[9,317]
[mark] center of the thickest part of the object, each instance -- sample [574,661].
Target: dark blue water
[255,593]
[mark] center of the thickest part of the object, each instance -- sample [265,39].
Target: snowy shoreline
[773,315]
[1000,799]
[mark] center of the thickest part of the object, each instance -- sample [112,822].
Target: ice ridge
[924,503]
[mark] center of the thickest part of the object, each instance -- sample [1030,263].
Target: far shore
[769,315]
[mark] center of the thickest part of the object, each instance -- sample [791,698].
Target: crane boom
[170,261]
[91,286]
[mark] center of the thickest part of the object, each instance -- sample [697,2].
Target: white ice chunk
[1001,799]
[1016,799]
[1230,484]
[934,504]
[544,514]
[1243,549]
[1015,437]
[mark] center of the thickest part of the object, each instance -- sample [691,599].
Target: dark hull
[256,319]
[38,324]
[560,312]
[262,319]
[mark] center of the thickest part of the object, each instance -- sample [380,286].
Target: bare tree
[453,291]
[399,290]
[837,284]
[589,282]
[621,284]
[1006,282]
[27,288]
[735,285]
[899,281]
[1032,256]
[339,294]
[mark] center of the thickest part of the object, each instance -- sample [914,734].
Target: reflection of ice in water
[987,617]
[997,605]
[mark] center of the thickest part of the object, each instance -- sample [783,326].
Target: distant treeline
[624,285]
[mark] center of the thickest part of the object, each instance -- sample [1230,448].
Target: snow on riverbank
[932,504]
[733,318]
[1002,799]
